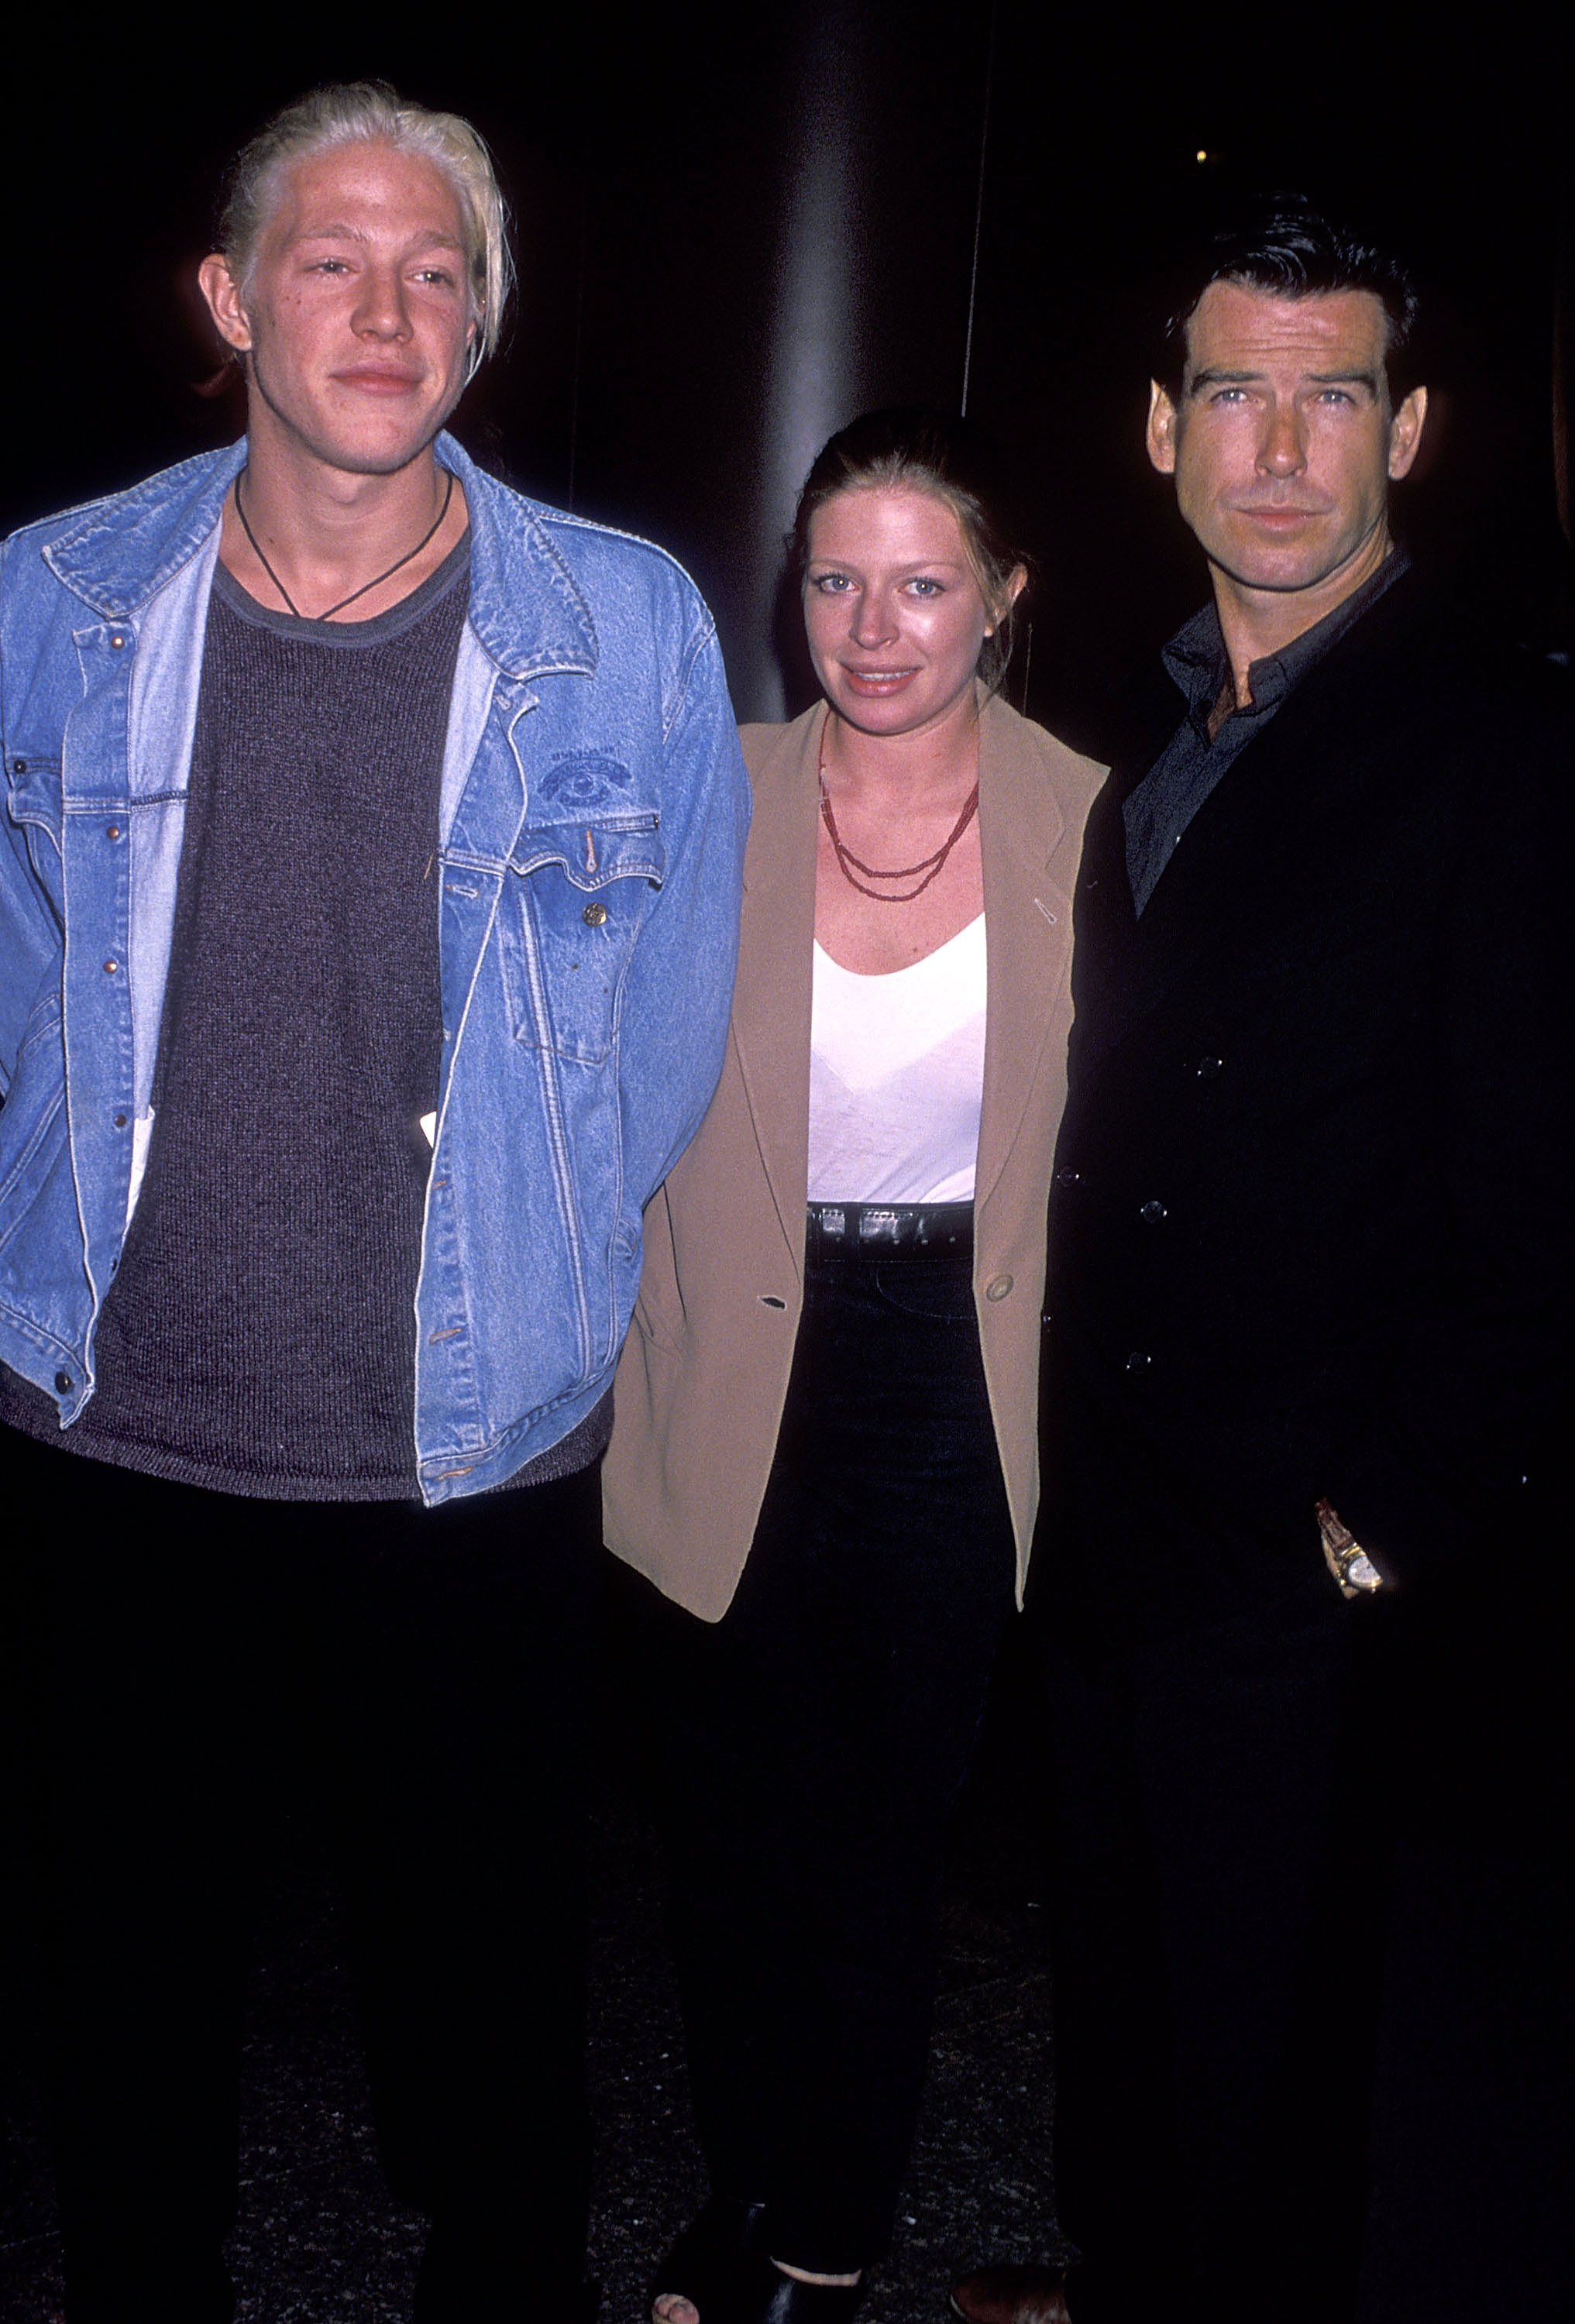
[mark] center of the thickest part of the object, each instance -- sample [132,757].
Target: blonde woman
[824,1454]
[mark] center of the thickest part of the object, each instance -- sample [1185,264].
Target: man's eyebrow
[1218,375]
[435,241]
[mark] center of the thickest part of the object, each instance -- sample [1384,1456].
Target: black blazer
[1310,1232]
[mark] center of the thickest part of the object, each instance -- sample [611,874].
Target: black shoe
[713,2256]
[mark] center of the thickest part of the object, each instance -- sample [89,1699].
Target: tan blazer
[704,1377]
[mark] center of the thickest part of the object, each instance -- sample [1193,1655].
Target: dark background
[732,237]
[734,233]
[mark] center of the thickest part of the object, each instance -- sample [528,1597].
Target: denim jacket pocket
[33,801]
[578,898]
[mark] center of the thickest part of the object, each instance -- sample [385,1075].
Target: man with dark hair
[1283,247]
[1306,1351]
[368,904]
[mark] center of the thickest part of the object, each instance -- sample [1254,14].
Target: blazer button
[998,1288]
[1151,1213]
[1209,1068]
[1136,1363]
[1067,1177]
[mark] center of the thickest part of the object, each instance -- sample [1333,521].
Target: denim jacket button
[593,915]
[63,1382]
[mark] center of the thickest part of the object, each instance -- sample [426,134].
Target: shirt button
[1137,1362]
[1151,1213]
[593,915]
[1000,1288]
[1209,1068]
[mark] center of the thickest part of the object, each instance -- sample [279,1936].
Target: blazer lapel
[772,999]
[1030,842]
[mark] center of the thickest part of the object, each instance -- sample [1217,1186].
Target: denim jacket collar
[121,552]
[526,608]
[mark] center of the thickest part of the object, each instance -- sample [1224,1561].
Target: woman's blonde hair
[941,454]
[343,113]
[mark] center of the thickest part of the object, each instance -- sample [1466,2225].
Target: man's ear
[222,294]
[1161,434]
[1405,433]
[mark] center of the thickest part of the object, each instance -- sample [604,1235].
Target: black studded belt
[885,1231]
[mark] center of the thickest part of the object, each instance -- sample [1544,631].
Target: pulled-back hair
[343,113]
[1282,244]
[937,453]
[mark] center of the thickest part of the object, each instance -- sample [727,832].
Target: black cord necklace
[410,554]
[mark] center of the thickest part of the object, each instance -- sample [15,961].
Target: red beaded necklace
[930,865]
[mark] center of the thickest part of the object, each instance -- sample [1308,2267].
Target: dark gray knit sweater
[260,1334]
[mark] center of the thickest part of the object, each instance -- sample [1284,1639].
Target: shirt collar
[1196,659]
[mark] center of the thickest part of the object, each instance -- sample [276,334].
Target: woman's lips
[874,683]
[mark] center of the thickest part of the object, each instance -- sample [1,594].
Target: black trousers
[819,1734]
[1313,2025]
[423,1674]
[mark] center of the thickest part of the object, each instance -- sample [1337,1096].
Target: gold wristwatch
[1345,1557]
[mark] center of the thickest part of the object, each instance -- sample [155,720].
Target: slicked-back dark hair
[945,456]
[1281,244]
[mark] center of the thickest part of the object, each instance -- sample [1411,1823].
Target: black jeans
[820,1733]
[422,1672]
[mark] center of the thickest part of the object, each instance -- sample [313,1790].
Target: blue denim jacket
[593,821]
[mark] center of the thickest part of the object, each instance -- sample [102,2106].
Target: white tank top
[896,1076]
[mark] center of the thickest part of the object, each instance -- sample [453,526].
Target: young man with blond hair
[368,896]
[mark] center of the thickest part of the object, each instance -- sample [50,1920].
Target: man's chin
[349,452]
[385,457]
[1282,576]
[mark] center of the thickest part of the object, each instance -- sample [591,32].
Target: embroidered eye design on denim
[585,779]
